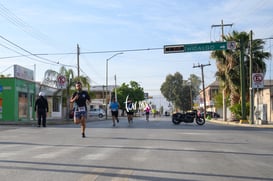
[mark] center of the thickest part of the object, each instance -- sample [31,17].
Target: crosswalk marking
[95,156]
[101,154]
[55,153]
[7,154]
[93,175]
[52,151]
[141,156]
[125,175]
[15,150]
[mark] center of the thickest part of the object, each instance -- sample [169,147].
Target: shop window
[56,104]
[22,104]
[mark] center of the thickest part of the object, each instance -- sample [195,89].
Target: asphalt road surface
[155,150]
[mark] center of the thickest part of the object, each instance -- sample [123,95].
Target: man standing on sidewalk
[41,106]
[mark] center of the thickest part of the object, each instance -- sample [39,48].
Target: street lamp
[190,84]
[107,60]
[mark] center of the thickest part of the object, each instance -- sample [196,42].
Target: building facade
[263,101]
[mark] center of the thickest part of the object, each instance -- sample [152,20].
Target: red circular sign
[258,78]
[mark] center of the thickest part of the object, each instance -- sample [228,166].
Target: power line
[20,54]
[35,55]
[19,23]
[6,69]
[100,52]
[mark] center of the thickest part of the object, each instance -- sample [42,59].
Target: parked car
[96,112]
[92,112]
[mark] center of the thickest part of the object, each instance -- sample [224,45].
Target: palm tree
[51,78]
[228,65]
[69,74]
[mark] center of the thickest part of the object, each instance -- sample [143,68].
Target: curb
[48,122]
[269,125]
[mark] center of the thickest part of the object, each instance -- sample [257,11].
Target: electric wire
[17,46]
[46,61]
[20,24]
[6,69]
[27,56]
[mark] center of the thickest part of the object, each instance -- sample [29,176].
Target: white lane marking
[55,153]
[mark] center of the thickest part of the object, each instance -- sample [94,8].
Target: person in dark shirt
[129,111]
[41,106]
[80,98]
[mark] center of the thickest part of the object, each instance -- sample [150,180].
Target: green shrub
[236,109]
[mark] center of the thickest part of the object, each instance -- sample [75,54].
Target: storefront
[19,93]
[17,98]
[54,99]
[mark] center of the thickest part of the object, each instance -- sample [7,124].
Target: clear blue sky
[111,25]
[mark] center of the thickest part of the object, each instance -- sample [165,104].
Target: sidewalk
[32,122]
[220,121]
[48,122]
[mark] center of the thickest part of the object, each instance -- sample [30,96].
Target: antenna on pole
[203,84]
[222,27]
[78,60]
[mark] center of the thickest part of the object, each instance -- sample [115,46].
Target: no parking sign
[257,80]
[61,82]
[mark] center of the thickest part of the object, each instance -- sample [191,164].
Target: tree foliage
[50,78]
[180,92]
[195,83]
[172,87]
[133,90]
[228,65]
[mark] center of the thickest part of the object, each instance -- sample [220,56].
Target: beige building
[210,92]
[262,97]
[102,96]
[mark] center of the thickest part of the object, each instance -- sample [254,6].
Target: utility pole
[203,83]
[78,59]
[116,97]
[242,77]
[250,79]
[222,25]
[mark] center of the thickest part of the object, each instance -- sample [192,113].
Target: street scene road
[154,150]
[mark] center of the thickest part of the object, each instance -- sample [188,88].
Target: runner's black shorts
[115,113]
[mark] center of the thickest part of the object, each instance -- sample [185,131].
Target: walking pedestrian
[147,110]
[114,110]
[80,98]
[41,106]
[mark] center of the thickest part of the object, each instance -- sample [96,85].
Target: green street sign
[197,47]
[205,47]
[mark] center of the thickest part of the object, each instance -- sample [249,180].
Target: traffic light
[173,49]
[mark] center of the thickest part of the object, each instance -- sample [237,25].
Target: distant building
[210,92]
[262,97]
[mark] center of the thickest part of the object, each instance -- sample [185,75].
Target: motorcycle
[188,117]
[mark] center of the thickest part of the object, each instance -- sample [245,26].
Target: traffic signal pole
[222,25]
[251,82]
[242,77]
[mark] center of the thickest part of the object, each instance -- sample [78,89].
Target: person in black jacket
[41,106]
